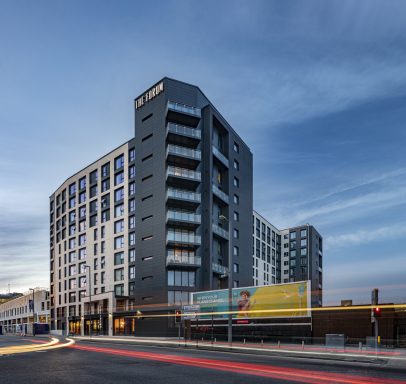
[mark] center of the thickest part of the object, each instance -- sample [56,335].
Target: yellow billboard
[267,301]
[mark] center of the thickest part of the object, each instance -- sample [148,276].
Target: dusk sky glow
[316,89]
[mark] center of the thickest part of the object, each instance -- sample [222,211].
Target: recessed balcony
[220,156]
[182,198]
[182,134]
[219,269]
[217,230]
[220,194]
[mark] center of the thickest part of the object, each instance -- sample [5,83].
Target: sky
[316,88]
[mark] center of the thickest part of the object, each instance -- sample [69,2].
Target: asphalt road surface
[88,362]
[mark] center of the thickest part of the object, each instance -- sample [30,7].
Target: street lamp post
[33,311]
[230,283]
[90,300]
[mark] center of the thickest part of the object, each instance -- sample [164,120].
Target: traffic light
[377,312]
[178,316]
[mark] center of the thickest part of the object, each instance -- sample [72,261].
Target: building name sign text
[149,95]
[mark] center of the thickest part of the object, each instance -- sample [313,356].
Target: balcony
[183,114]
[182,198]
[183,238]
[217,230]
[220,194]
[185,261]
[183,133]
[183,176]
[179,155]
[217,154]
[219,269]
[183,218]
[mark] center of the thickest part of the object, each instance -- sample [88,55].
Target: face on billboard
[282,300]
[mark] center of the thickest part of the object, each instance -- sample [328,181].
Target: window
[236,251]
[236,165]
[82,239]
[105,170]
[82,253]
[119,210]
[131,188]
[102,262]
[82,197]
[293,235]
[131,256]
[303,251]
[303,261]
[178,297]
[131,289]
[236,182]
[235,284]
[236,147]
[119,226]
[131,205]
[105,186]
[102,277]
[72,202]
[119,194]
[119,258]
[82,183]
[82,282]
[303,243]
[181,278]
[119,242]
[293,263]
[131,154]
[236,268]
[119,290]
[131,222]
[131,272]
[72,189]
[93,177]
[119,274]
[131,238]
[236,199]
[293,244]
[119,162]
[303,233]
[236,233]
[105,216]
[131,172]
[293,253]
[236,216]
[119,178]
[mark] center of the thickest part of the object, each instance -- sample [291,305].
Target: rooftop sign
[149,95]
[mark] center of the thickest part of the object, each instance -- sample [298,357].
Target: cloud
[363,236]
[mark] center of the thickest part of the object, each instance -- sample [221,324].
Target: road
[87,362]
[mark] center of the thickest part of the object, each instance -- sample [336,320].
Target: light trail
[53,344]
[275,372]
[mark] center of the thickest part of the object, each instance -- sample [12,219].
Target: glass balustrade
[183,172]
[184,108]
[184,130]
[183,151]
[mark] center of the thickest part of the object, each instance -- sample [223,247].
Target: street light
[90,301]
[230,283]
[33,311]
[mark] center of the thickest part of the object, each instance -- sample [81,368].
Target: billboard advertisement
[268,301]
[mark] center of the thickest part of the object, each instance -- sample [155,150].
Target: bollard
[215,339]
[279,344]
[262,342]
[360,346]
[302,344]
[244,341]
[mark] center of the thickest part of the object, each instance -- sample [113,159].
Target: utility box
[335,341]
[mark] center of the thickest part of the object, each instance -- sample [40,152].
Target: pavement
[394,357]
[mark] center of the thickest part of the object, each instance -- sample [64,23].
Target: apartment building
[287,255]
[17,315]
[135,232]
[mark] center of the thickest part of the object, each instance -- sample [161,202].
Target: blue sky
[316,88]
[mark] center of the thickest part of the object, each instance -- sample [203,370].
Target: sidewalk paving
[350,354]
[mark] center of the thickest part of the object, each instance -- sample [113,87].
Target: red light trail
[282,373]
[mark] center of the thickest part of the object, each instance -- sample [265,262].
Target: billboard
[267,301]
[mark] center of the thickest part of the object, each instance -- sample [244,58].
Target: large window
[119,162]
[119,289]
[181,278]
[178,297]
[119,194]
[119,258]
[119,274]
[119,226]
[119,178]
[119,242]
[119,210]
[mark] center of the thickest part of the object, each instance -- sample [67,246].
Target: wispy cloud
[363,236]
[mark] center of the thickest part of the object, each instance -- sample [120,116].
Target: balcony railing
[220,231]
[184,130]
[183,195]
[183,216]
[183,151]
[178,107]
[183,238]
[220,269]
[184,260]
[220,156]
[219,193]
[183,172]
